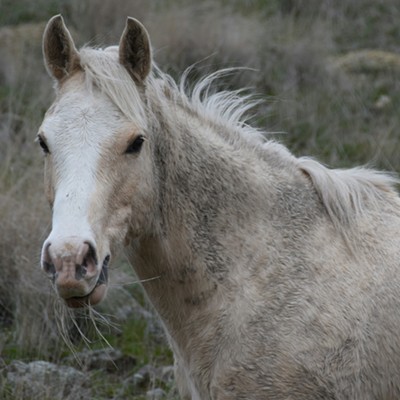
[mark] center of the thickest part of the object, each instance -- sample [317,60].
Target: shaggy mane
[227,108]
[343,192]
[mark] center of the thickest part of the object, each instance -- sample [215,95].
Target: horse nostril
[68,261]
[91,256]
[49,269]
[86,261]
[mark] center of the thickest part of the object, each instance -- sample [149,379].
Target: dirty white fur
[274,277]
[345,191]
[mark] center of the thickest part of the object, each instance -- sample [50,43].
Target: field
[327,73]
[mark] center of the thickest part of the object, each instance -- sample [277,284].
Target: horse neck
[212,197]
[207,182]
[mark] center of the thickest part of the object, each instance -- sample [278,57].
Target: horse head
[97,160]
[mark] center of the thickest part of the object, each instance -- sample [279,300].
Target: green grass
[136,341]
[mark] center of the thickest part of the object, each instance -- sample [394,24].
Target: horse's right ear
[135,50]
[60,54]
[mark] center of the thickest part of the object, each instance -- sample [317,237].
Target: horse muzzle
[72,265]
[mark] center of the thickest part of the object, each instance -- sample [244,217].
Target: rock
[382,102]
[148,375]
[156,394]
[109,359]
[122,306]
[167,374]
[147,379]
[45,380]
[145,375]
[368,61]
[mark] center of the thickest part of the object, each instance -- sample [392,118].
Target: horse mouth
[96,295]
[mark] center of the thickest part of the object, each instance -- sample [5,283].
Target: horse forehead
[81,115]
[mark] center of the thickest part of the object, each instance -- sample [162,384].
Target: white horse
[274,277]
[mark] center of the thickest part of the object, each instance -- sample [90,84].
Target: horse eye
[135,146]
[43,145]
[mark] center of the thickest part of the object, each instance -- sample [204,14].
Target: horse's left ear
[135,50]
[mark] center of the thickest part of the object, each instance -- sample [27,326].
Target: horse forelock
[102,69]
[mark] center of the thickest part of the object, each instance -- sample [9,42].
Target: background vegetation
[327,69]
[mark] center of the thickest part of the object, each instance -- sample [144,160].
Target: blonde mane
[343,192]
[346,193]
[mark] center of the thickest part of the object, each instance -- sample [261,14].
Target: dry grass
[24,221]
[299,53]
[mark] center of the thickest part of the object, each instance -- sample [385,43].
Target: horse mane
[346,193]
[343,192]
[225,108]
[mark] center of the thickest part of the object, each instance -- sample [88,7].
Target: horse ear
[135,51]
[60,54]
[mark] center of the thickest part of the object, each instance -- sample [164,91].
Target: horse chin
[93,298]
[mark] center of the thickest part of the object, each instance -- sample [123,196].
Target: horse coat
[273,276]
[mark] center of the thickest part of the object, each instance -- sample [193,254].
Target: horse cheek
[138,195]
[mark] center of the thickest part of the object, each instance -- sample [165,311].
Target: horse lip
[103,277]
[82,301]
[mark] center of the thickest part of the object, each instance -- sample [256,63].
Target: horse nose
[71,264]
